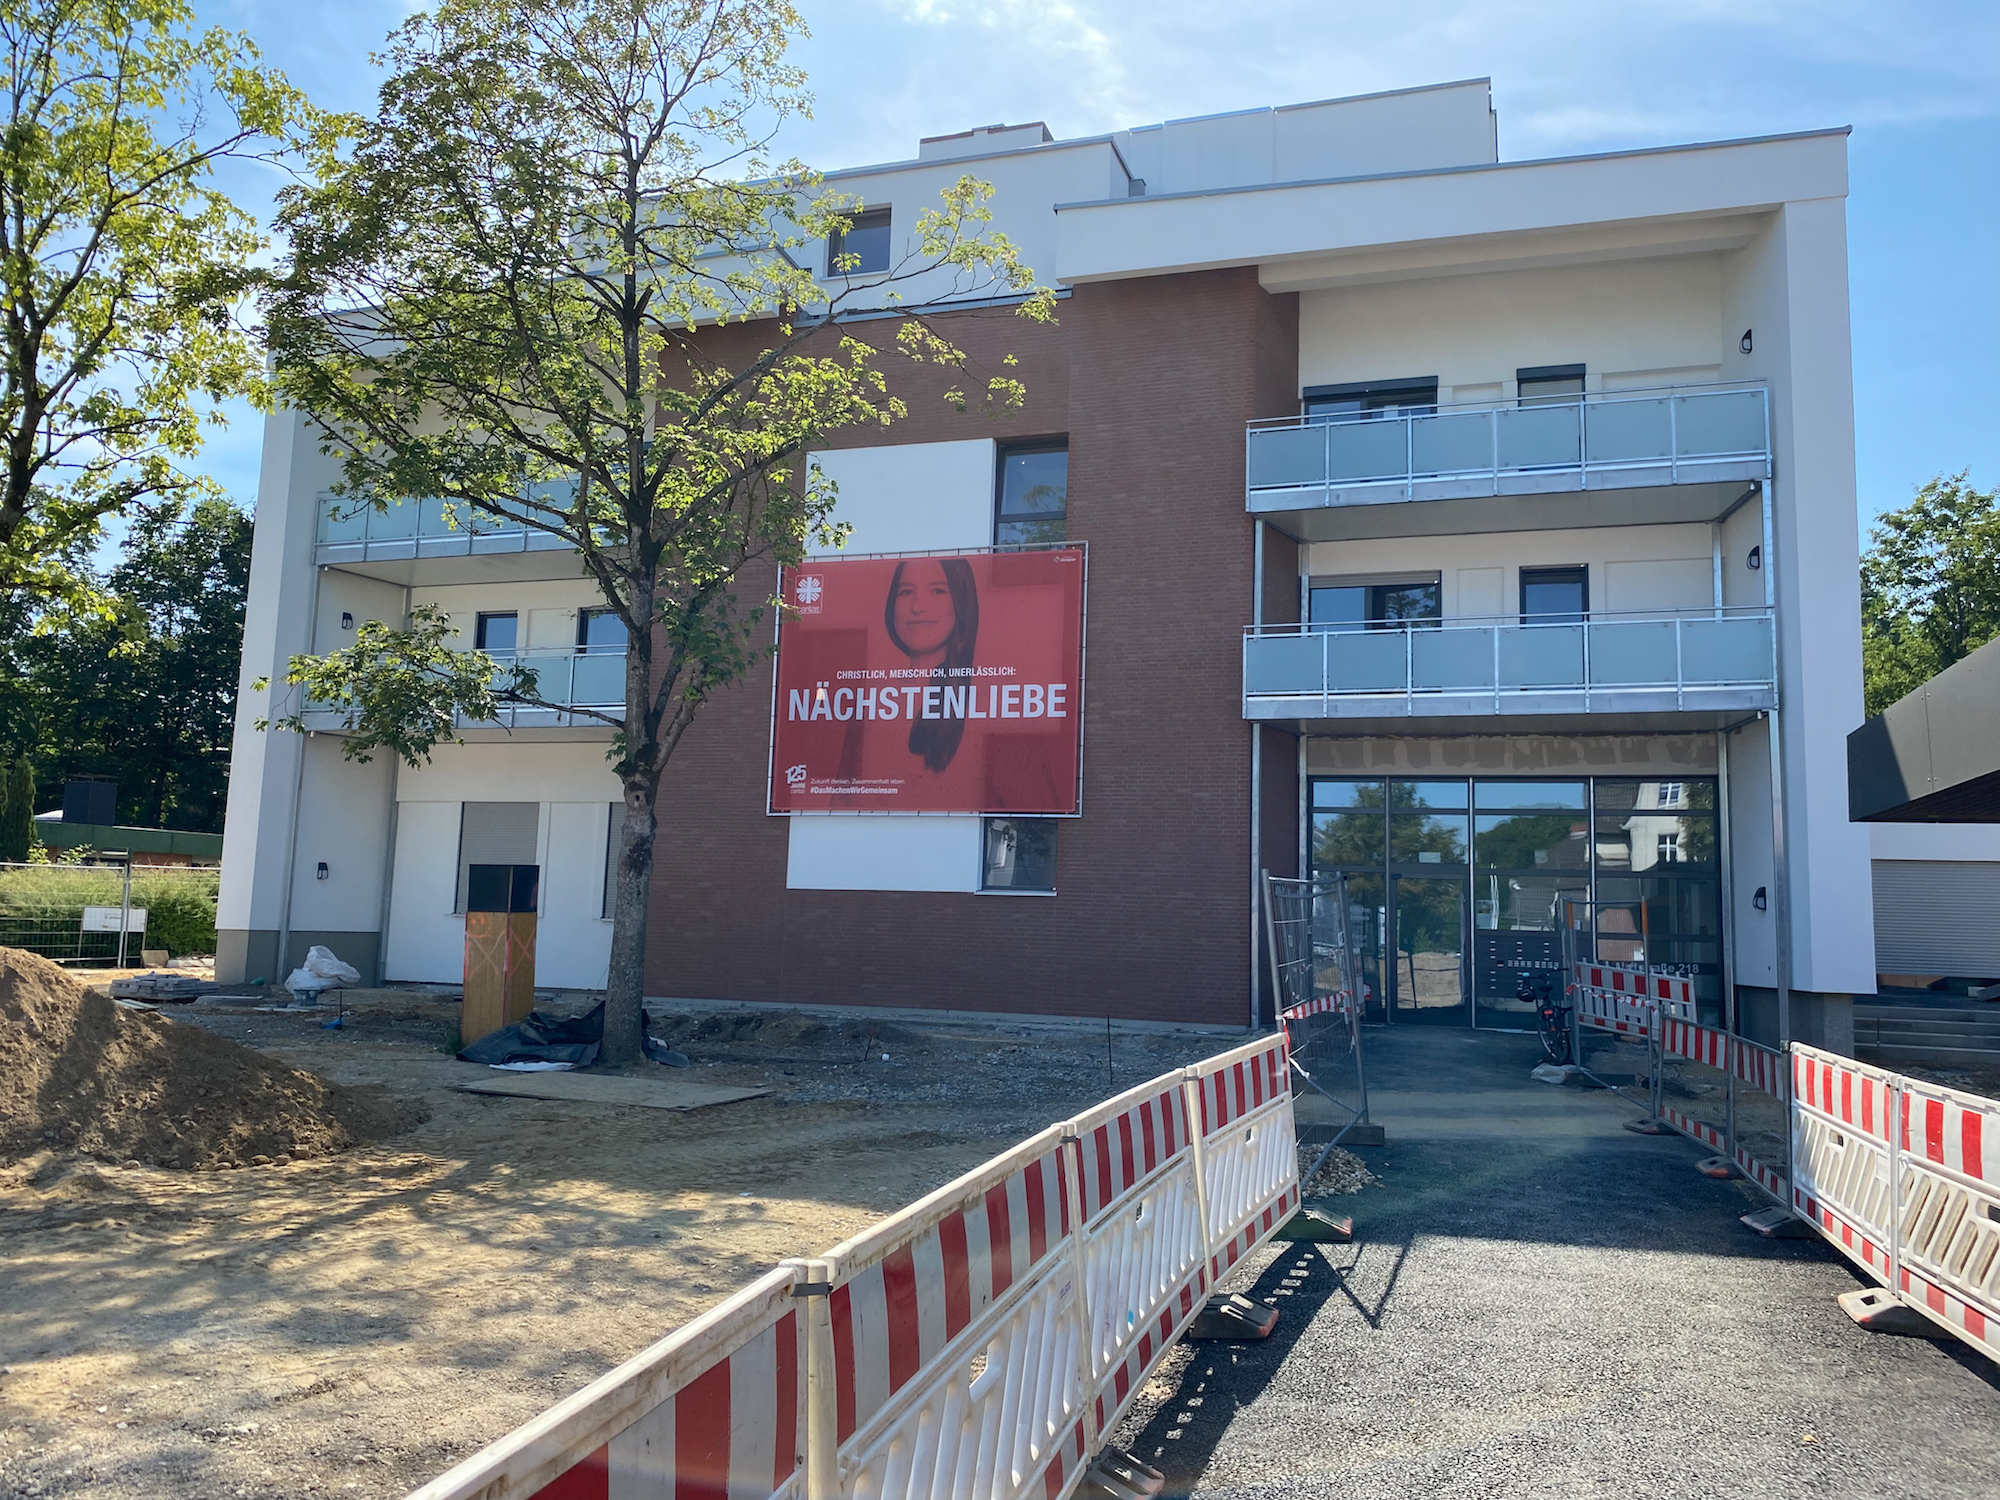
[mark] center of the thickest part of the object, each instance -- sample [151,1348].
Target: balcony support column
[1256,780]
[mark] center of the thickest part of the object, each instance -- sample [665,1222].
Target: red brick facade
[1152,380]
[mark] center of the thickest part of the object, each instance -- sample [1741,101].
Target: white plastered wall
[264,765]
[574,786]
[1788,288]
[547,608]
[1631,567]
[1630,323]
[343,824]
[909,497]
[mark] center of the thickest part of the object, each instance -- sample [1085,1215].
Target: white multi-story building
[1481,530]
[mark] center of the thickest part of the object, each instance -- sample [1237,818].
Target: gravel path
[1540,1303]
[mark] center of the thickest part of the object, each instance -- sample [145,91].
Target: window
[1382,398]
[1337,603]
[862,248]
[497,632]
[1031,507]
[599,630]
[1550,385]
[1673,794]
[495,833]
[1552,596]
[1668,850]
[1020,855]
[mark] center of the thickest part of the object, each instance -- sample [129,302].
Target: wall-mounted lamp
[322,871]
[1744,342]
[1759,900]
[346,620]
[1756,558]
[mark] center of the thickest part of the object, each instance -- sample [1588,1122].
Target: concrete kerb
[944,1019]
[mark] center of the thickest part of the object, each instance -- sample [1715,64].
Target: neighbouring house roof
[53,833]
[1933,756]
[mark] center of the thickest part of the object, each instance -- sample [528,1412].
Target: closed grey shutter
[1937,917]
[495,833]
[615,831]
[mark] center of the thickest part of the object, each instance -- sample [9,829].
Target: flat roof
[1933,756]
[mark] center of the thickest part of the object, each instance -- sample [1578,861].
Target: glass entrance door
[1427,976]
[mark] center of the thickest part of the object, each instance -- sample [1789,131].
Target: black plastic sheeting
[543,1038]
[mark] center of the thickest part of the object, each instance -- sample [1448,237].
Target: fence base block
[1877,1311]
[1718,1167]
[1777,1224]
[1648,1127]
[1314,1227]
[1117,1475]
[1229,1316]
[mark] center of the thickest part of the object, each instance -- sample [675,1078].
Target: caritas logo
[795,775]
[808,591]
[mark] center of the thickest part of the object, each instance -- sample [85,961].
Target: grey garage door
[1937,917]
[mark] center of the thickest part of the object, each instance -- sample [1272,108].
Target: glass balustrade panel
[1736,650]
[396,521]
[1281,664]
[1541,656]
[1452,659]
[1728,422]
[1622,432]
[599,679]
[1539,437]
[342,519]
[1283,456]
[1453,443]
[1369,661]
[1632,653]
[1358,452]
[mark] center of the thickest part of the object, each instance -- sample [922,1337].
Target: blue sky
[1919,80]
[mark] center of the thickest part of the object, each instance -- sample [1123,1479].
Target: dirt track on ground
[351,1326]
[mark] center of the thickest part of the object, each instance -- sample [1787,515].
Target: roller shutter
[1937,917]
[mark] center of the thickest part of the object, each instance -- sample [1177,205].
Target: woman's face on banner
[925,616]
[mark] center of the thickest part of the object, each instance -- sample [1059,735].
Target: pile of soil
[79,1072]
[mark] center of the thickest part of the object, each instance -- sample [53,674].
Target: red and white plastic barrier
[1615,997]
[979,1344]
[1899,1175]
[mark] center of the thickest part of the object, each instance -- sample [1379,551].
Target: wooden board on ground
[599,1088]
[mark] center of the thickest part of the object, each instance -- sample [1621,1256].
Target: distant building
[148,846]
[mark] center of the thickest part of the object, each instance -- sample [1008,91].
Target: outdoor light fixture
[1759,900]
[322,872]
[346,620]
[1744,342]
[1756,558]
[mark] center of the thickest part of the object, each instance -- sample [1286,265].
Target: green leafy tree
[1930,587]
[558,282]
[146,696]
[122,266]
[17,818]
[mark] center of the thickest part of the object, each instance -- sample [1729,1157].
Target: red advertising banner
[930,684]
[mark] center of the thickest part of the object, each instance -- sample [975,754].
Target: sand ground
[352,1326]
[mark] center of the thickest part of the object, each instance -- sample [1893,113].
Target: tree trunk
[625,988]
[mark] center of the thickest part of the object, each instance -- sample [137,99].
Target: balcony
[1680,454]
[469,546]
[1643,666]
[592,677]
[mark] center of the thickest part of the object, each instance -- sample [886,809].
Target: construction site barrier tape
[980,1343]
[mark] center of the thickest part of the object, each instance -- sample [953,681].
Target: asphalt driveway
[1539,1302]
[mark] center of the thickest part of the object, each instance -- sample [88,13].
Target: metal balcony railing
[1649,663]
[352,530]
[1631,439]
[586,677]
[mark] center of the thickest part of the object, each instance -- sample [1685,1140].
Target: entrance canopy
[1934,756]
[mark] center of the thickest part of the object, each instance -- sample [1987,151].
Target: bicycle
[1552,1021]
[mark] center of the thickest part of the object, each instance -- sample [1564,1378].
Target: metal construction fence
[107,914]
[981,1344]
[1890,1170]
[1893,1172]
[1316,976]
